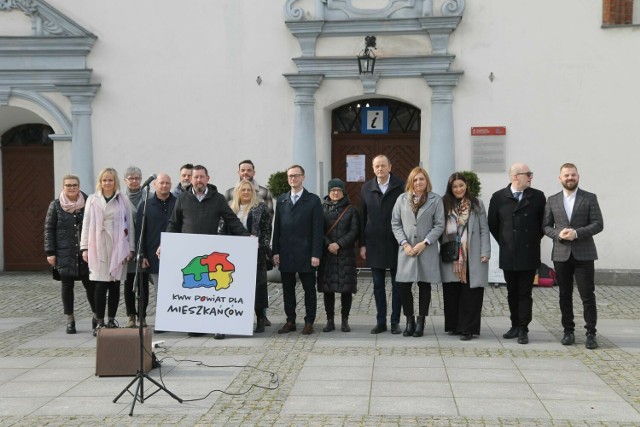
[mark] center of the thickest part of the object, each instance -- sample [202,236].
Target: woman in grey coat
[463,280]
[417,222]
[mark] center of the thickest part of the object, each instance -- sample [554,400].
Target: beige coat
[104,251]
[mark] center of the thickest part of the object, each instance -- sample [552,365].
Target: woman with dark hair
[107,243]
[338,271]
[464,278]
[417,222]
[62,231]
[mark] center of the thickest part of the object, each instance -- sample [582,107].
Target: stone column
[304,131]
[81,98]
[442,144]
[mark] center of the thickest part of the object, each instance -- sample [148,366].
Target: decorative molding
[442,85]
[307,33]
[344,9]
[453,8]
[369,83]
[46,104]
[45,20]
[305,86]
[402,66]
[293,13]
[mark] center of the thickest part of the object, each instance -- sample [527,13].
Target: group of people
[401,227]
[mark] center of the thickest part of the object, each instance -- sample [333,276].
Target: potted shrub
[473,182]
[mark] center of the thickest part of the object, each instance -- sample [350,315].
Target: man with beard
[571,219]
[199,210]
[185,179]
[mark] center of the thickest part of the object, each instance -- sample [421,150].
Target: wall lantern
[367,59]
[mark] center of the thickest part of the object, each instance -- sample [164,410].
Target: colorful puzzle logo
[208,271]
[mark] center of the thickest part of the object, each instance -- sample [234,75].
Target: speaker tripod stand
[141,375]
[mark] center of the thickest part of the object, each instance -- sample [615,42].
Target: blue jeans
[380,294]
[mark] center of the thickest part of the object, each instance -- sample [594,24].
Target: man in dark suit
[378,245]
[297,247]
[571,219]
[515,221]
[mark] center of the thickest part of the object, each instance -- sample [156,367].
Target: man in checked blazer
[571,219]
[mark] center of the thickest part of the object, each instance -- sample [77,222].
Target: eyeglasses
[529,174]
[71,186]
[134,178]
[295,175]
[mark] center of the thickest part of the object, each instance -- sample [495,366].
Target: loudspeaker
[118,351]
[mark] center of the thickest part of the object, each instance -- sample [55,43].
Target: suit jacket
[298,231]
[375,222]
[586,219]
[517,227]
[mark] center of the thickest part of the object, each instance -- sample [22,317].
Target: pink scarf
[69,206]
[120,234]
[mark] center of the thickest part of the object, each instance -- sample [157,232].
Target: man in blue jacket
[297,247]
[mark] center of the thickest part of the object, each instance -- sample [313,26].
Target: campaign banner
[206,283]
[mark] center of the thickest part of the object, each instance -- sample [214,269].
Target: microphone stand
[138,396]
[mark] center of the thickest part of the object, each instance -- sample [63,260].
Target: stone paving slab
[328,379]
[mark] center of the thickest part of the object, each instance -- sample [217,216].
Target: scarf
[69,206]
[134,197]
[120,234]
[457,222]
[416,202]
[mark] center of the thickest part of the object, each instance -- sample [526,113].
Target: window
[618,12]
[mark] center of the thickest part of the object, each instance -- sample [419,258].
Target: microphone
[149,180]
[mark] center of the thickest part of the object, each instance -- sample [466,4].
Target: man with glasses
[133,190]
[515,221]
[297,247]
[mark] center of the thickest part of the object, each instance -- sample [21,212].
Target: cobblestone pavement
[36,296]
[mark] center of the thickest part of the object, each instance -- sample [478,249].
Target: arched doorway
[27,189]
[401,144]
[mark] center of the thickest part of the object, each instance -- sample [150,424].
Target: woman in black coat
[62,230]
[338,271]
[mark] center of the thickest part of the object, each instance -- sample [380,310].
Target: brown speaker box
[118,351]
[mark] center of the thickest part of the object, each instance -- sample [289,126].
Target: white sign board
[495,272]
[355,168]
[206,283]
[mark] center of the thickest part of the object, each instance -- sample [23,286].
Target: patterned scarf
[416,202]
[68,206]
[457,226]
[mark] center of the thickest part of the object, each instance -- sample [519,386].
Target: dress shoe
[411,327]
[71,327]
[260,324]
[267,322]
[453,332]
[308,329]
[419,327]
[523,337]
[219,336]
[380,327]
[568,338]
[591,342]
[465,337]
[330,326]
[511,333]
[288,327]
[345,325]
[112,323]
[195,334]
[395,329]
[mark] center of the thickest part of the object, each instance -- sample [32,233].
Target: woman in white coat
[464,279]
[417,222]
[107,243]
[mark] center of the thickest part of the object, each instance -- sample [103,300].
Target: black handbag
[450,251]
[56,274]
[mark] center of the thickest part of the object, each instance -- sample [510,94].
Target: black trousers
[113,289]
[130,293]
[262,293]
[462,308]
[68,294]
[583,272]
[519,288]
[424,298]
[308,280]
[346,299]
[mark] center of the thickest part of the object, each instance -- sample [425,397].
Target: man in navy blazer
[515,221]
[571,219]
[298,233]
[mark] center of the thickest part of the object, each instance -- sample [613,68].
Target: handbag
[56,274]
[450,251]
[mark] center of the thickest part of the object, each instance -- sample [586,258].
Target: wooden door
[27,190]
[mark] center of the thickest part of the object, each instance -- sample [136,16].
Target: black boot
[330,326]
[420,328]
[260,324]
[345,325]
[411,327]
